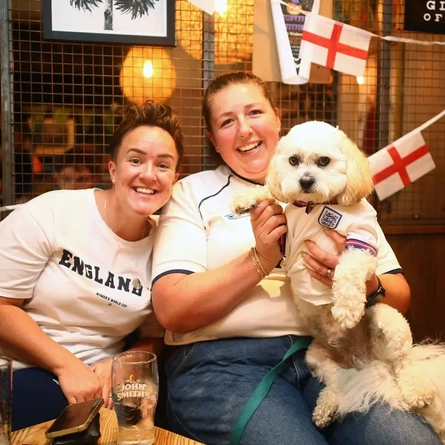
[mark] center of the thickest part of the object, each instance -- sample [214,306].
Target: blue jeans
[36,397]
[209,383]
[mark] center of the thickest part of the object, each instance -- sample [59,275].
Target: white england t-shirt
[75,273]
[198,232]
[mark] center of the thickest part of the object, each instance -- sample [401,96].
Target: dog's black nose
[307,182]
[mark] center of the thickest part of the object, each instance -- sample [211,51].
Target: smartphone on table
[74,418]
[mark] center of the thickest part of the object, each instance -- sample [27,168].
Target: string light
[221,6]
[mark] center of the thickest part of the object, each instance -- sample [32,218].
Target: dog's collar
[310,204]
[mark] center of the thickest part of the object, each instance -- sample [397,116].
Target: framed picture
[143,22]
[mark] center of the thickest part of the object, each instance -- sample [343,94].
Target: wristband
[377,295]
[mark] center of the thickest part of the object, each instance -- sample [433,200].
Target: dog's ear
[359,182]
[273,180]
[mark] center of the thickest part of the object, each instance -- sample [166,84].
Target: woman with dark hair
[75,271]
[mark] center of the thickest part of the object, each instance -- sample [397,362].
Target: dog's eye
[323,161]
[294,161]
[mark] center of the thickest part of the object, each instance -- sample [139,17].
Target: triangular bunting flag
[206,5]
[334,45]
[400,164]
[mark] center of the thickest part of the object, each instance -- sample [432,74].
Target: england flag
[335,45]
[400,164]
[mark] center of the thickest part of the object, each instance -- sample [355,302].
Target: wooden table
[35,435]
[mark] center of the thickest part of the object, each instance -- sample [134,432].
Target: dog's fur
[362,356]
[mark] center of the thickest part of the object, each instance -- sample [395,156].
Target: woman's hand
[79,383]
[322,264]
[103,370]
[269,225]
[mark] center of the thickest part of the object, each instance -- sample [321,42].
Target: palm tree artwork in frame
[143,22]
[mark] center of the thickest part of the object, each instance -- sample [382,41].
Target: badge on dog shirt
[329,218]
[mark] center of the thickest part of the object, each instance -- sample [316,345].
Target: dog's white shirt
[357,222]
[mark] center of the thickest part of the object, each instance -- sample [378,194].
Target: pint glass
[5,400]
[135,385]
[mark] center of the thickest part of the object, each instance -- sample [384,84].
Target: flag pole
[11,207]
[431,121]
[423,126]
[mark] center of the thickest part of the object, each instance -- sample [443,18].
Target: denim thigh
[210,382]
[36,397]
[380,425]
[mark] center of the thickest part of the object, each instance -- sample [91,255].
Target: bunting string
[387,38]
[404,40]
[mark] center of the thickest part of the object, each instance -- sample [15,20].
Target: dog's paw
[325,411]
[420,400]
[349,299]
[346,316]
[417,391]
[248,199]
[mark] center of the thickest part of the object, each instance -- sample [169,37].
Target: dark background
[414,21]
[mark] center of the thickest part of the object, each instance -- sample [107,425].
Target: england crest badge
[329,218]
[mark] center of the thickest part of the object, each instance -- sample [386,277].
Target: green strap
[262,390]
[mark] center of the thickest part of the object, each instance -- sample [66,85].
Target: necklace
[135,282]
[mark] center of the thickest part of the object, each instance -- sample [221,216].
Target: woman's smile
[249,148]
[145,191]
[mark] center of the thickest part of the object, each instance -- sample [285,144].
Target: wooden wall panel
[422,257]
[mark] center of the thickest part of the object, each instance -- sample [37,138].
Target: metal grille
[65,97]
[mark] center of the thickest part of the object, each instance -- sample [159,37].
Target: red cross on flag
[400,164]
[334,45]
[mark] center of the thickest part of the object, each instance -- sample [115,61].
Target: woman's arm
[26,248]
[184,303]
[21,335]
[398,293]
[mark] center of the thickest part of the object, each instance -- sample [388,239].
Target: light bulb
[148,69]
[221,6]
[360,80]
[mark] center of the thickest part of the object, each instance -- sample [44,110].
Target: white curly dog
[363,355]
